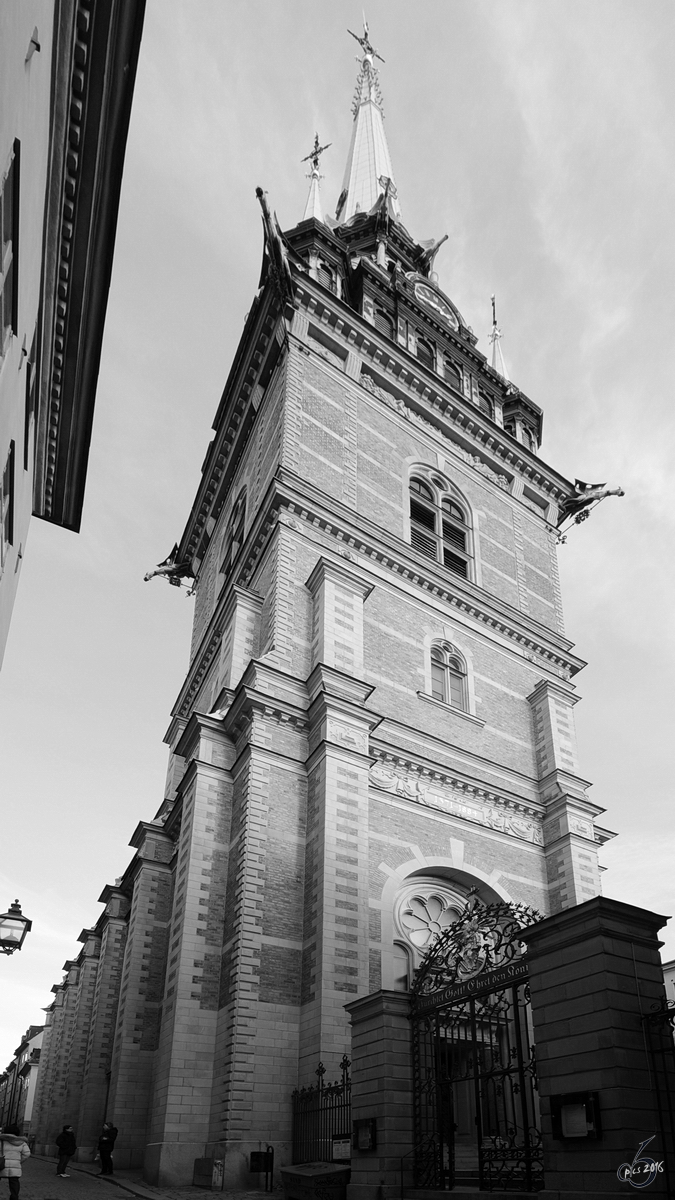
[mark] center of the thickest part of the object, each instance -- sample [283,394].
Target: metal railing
[320,1113]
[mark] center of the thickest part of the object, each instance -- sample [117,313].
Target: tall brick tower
[378,712]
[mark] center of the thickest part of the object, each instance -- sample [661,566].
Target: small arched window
[327,276]
[425,353]
[234,534]
[485,405]
[384,323]
[439,531]
[448,676]
[453,375]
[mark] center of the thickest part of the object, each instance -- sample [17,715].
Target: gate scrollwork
[476,1115]
[483,938]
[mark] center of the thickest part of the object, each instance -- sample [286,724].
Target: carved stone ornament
[424,910]
[446,799]
[347,735]
[399,406]
[483,938]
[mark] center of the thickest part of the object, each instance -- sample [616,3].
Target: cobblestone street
[40,1182]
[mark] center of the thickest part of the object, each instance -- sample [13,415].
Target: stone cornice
[254,364]
[436,394]
[356,535]
[295,502]
[411,776]
[95,56]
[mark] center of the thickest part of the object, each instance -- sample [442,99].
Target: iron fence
[320,1113]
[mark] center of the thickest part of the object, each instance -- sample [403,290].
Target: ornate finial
[494,338]
[365,43]
[318,150]
[368,82]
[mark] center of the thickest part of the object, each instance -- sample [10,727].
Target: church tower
[378,712]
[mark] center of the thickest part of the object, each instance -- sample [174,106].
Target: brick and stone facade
[318,783]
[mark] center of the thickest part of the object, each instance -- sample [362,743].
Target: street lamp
[13,929]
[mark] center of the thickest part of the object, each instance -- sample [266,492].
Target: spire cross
[365,43]
[318,150]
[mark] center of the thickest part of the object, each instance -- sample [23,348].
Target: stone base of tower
[171,1164]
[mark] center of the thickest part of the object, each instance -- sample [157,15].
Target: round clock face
[431,298]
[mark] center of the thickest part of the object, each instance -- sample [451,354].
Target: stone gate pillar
[381,1091]
[594,972]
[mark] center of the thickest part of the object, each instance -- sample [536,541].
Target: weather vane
[365,42]
[318,150]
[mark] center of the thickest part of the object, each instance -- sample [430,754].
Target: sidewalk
[84,1184]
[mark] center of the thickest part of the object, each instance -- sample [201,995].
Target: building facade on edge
[378,715]
[67,73]
[18,1082]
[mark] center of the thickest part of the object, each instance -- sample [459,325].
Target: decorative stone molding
[459,800]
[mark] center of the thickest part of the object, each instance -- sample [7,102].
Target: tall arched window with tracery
[440,527]
[449,676]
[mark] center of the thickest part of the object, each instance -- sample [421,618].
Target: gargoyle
[172,570]
[585,494]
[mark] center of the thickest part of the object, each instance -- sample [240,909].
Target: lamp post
[13,929]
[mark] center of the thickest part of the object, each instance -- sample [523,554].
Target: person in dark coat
[106,1143]
[14,1147]
[67,1147]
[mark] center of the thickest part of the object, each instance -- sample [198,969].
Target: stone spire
[368,169]
[313,205]
[497,360]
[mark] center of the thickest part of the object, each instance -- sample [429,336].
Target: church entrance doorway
[476,1112]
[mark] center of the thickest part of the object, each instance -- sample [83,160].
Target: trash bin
[315,1181]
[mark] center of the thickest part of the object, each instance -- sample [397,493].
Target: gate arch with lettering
[476,1111]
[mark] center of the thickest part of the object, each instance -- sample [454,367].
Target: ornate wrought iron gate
[321,1113]
[475,1088]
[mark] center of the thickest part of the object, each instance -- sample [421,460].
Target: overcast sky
[539,137]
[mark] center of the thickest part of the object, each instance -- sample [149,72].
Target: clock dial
[431,298]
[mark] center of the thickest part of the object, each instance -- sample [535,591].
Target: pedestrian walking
[106,1144]
[67,1147]
[14,1148]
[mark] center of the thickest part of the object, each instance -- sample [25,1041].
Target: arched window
[425,353]
[453,375]
[529,438]
[234,534]
[439,531]
[448,676]
[327,276]
[485,405]
[384,323]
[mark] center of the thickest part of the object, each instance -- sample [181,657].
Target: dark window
[425,353]
[448,677]
[384,323]
[453,375]
[234,534]
[440,531]
[485,405]
[9,229]
[327,276]
[7,503]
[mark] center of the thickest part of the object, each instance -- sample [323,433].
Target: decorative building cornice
[457,797]
[439,400]
[95,58]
